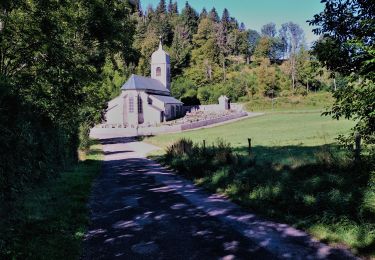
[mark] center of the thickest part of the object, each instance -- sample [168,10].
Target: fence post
[357,150]
[204,145]
[249,148]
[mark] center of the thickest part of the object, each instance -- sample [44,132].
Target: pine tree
[213,15]
[138,7]
[180,50]
[189,19]
[225,18]
[203,14]
[161,9]
[242,27]
[170,7]
[175,8]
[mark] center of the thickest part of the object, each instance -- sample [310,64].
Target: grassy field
[296,173]
[280,136]
[52,216]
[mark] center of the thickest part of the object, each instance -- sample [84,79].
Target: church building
[144,100]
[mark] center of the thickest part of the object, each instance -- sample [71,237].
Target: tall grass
[330,196]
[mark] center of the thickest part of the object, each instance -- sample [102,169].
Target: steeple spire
[160,43]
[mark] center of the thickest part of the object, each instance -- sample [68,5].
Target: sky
[255,13]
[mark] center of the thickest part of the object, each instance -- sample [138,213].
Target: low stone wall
[95,132]
[213,108]
[203,123]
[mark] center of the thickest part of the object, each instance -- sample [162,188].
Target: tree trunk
[334,83]
[224,71]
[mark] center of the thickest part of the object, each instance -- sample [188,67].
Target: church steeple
[161,66]
[160,44]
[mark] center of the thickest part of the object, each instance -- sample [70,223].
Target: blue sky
[255,13]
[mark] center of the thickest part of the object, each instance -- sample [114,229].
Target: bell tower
[161,66]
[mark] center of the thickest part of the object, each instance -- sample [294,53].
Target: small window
[140,105]
[131,104]
[158,71]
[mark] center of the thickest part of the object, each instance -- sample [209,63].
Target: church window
[140,105]
[173,113]
[131,104]
[158,71]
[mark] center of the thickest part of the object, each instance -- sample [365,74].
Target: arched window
[131,105]
[158,71]
[140,105]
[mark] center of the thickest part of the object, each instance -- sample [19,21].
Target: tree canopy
[347,30]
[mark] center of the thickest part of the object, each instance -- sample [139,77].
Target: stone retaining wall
[165,128]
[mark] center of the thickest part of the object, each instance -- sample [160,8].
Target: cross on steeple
[160,43]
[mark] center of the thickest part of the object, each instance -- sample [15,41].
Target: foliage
[54,84]
[347,47]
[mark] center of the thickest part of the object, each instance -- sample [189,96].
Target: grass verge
[312,101]
[51,217]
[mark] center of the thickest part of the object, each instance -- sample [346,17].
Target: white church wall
[132,114]
[150,113]
[114,113]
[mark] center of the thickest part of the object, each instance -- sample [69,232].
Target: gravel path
[139,210]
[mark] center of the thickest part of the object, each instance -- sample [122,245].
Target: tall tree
[203,14]
[138,7]
[253,37]
[170,7]
[225,19]
[175,8]
[180,50]
[242,27]
[213,15]
[269,30]
[292,36]
[52,58]
[347,46]
[190,19]
[161,8]
[205,54]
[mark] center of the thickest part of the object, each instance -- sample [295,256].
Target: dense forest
[214,54]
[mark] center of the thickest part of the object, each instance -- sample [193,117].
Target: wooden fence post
[357,149]
[249,142]
[204,145]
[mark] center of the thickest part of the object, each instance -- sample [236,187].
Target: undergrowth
[48,221]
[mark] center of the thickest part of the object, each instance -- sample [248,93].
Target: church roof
[167,99]
[136,82]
